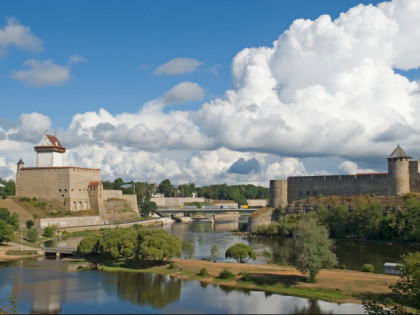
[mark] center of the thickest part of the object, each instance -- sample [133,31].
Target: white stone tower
[398,171]
[49,152]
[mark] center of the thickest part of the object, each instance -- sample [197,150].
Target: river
[46,286]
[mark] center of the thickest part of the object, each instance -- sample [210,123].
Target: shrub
[172,265]
[240,252]
[49,231]
[368,268]
[246,276]
[203,272]
[226,274]
[33,234]
[29,224]
[344,267]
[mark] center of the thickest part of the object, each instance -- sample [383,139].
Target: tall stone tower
[278,193]
[49,152]
[398,171]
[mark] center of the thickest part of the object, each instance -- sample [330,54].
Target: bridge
[201,210]
[60,251]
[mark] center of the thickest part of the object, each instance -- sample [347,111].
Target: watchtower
[49,152]
[398,171]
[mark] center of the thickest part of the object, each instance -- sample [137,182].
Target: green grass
[17,252]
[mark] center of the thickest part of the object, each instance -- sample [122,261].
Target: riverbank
[20,251]
[341,286]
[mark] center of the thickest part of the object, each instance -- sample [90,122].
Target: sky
[211,92]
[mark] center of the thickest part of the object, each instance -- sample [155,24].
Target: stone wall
[301,187]
[174,202]
[64,222]
[264,216]
[256,202]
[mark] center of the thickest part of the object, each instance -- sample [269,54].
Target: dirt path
[4,248]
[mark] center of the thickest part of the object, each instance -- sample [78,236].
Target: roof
[94,183]
[398,153]
[20,162]
[54,141]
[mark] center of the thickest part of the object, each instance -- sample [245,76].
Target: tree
[29,224]
[33,234]
[214,252]
[156,246]
[11,219]
[89,244]
[166,188]
[147,207]
[187,249]
[406,291]
[6,232]
[240,252]
[313,247]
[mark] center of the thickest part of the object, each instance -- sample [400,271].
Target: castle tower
[20,165]
[49,152]
[278,193]
[398,171]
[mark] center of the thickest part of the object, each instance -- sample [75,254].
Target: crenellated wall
[302,187]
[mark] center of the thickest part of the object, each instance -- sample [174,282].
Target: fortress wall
[64,222]
[108,194]
[309,186]
[414,176]
[42,183]
[79,191]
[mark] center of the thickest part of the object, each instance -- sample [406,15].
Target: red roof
[55,141]
[94,183]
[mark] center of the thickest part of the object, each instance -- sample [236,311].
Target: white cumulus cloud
[178,66]
[184,92]
[16,34]
[42,73]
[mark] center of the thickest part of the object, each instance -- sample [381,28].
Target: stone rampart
[264,216]
[340,185]
[65,222]
[174,202]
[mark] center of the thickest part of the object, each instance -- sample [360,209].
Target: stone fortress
[402,177]
[76,188]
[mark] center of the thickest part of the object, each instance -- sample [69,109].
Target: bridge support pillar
[57,255]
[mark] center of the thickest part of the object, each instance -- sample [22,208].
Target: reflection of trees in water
[228,289]
[148,289]
[312,308]
[280,247]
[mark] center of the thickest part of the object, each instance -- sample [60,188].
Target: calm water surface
[351,254]
[47,287]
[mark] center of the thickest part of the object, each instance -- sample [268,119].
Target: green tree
[33,234]
[240,252]
[187,249]
[6,232]
[214,252]
[89,244]
[11,219]
[406,291]
[119,242]
[147,207]
[313,247]
[29,224]
[49,231]
[166,188]
[157,246]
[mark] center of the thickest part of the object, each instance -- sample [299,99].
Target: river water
[46,286]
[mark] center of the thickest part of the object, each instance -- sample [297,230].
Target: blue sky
[192,88]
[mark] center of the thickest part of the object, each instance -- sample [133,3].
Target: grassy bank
[332,286]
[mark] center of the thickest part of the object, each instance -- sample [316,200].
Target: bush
[29,224]
[246,276]
[226,274]
[172,265]
[203,272]
[49,231]
[33,234]
[240,252]
[368,268]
